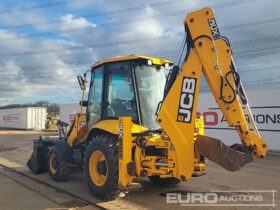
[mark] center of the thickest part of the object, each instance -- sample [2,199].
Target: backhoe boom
[209,54]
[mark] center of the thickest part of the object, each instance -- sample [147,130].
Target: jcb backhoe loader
[141,115]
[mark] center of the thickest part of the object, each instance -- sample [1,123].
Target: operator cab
[127,86]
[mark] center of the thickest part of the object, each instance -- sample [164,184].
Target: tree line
[51,107]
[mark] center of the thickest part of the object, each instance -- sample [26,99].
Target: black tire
[107,145]
[164,182]
[63,170]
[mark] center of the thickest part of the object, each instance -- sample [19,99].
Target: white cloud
[69,21]
[35,74]
[61,72]
[25,18]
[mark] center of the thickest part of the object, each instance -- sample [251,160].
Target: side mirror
[83,103]
[81,82]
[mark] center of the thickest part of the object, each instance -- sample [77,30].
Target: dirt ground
[20,189]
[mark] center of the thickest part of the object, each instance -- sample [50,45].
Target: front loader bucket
[223,155]
[38,160]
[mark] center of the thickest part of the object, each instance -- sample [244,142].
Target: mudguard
[38,160]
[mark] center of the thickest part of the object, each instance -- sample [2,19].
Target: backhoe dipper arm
[220,72]
[210,55]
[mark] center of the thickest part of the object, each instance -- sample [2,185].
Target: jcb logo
[186,100]
[214,28]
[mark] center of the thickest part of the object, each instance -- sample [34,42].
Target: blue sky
[45,44]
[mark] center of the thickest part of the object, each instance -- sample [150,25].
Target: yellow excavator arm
[210,54]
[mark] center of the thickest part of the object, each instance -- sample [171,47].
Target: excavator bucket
[223,155]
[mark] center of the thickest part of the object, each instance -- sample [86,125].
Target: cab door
[120,98]
[95,97]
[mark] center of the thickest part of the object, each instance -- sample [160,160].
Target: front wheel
[101,167]
[58,168]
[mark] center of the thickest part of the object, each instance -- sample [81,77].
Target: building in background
[265,106]
[68,111]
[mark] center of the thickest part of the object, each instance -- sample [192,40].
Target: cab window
[95,97]
[120,93]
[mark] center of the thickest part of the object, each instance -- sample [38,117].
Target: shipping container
[29,118]
[68,112]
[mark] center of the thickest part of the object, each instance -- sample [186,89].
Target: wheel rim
[98,177]
[53,163]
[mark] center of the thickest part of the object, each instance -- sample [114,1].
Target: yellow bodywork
[199,126]
[116,150]
[211,57]
[215,58]
[177,141]
[97,178]
[79,130]
[112,126]
[165,167]
[155,61]
[125,150]
[180,133]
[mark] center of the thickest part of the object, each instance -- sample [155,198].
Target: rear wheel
[164,182]
[58,168]
[101,167]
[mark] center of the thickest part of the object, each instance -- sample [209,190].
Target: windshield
[150,84]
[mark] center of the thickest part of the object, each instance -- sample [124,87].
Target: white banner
[265,106]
